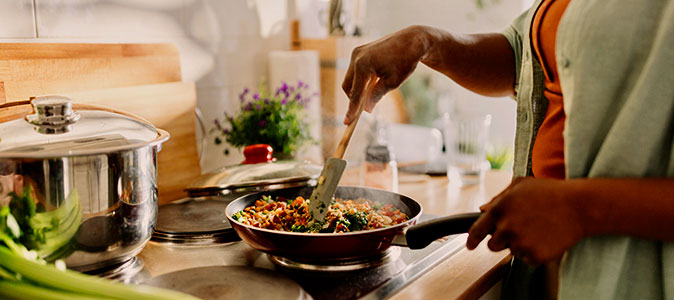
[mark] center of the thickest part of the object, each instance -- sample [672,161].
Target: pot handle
[15,103]
[204,135]
[421,235]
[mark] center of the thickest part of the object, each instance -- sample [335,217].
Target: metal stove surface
[381,279]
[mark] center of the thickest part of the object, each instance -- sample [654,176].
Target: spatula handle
[348,132]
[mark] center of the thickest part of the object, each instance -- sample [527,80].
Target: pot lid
[248,177]
[56,128]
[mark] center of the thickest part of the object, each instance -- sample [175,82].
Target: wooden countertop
[467,274]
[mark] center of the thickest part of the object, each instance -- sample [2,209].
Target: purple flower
[217,124]
[284,101]
[242,95]
[262,123]
[226,131]
[284,87]
[256,96]
[266,100]
[300,84]
[249,106]
[298,96]
[258,106]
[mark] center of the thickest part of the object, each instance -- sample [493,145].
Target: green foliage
[46,232]
[277,119]
[420,100]
[24,274]
[499,158]
[481,3]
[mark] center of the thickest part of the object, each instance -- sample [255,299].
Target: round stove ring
[191,215]
[386,257]
[231,283]
[199,221]
[123,271]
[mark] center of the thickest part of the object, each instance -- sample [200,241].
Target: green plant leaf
[277,118]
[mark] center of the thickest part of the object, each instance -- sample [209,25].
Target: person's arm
[483,63]
[539,219]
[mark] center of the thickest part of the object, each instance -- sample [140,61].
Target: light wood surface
[143,79]
[29,69]
[467,274]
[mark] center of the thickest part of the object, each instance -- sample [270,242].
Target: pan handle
[421,235]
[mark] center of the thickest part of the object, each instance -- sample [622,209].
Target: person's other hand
[392,59]
[536,218]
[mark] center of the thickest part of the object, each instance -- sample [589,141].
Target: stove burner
[194,221]
[383,258]
[123,271]
[230,282]
[190,215]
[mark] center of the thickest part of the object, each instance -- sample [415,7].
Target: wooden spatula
[334,166]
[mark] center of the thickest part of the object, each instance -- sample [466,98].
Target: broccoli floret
[357,221]
[298,228]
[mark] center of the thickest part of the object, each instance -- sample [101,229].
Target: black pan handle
[421,235]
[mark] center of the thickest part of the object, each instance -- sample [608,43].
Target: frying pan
[350,245]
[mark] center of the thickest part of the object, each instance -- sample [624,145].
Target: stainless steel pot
[91,174]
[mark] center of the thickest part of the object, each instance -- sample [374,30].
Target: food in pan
[343,215]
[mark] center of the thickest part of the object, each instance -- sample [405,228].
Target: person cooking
[594,149]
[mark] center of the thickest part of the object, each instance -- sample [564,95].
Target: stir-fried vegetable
[343,215]
[25,275]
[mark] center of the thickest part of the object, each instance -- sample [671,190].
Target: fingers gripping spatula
[334,166]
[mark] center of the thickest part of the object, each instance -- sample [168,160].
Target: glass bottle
[380,167]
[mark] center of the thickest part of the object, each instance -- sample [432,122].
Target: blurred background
[227,46]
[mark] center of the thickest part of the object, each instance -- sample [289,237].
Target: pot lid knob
[53,114]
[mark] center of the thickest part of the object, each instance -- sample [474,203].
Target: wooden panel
[168,106]
[17,51]
[333,48]
[29,69]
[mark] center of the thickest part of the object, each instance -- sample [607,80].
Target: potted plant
[275,118]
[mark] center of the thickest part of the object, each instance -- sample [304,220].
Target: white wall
[460,16]
[224,43]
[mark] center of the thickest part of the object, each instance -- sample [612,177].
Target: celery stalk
[4,275]
[78,283]
[20,290]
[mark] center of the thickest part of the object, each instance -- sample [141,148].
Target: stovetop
[235,265]
[195,250]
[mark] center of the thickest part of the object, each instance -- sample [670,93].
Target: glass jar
[380,168]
